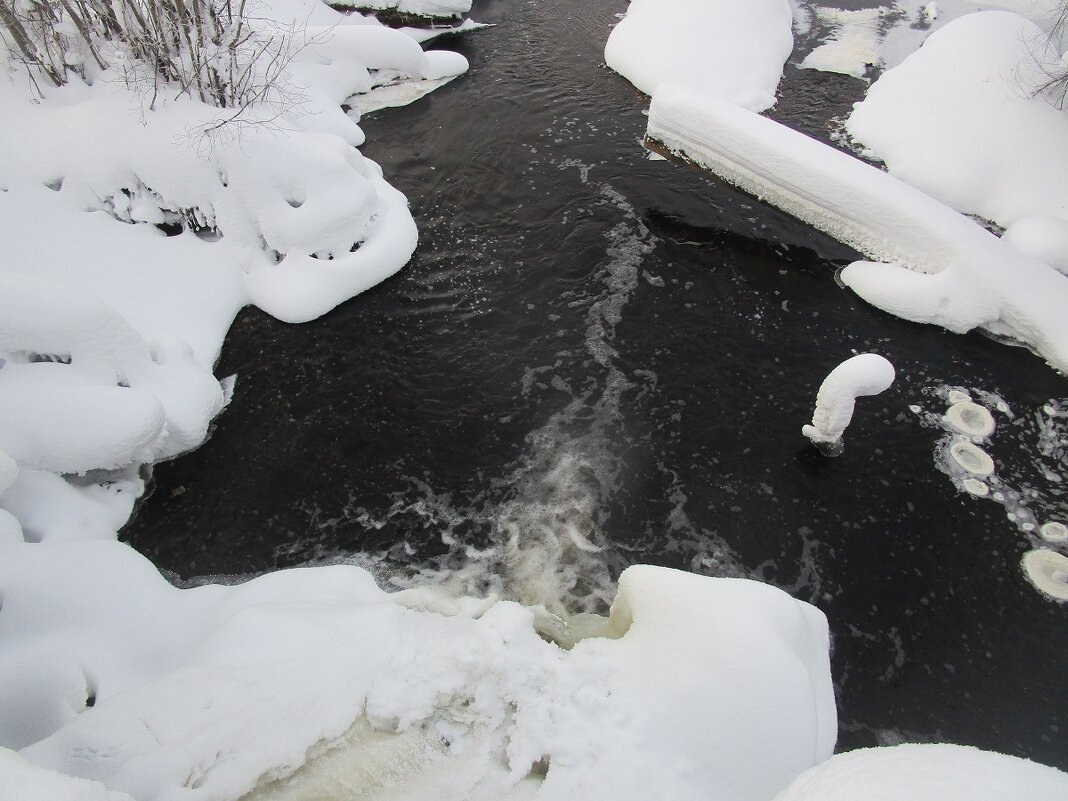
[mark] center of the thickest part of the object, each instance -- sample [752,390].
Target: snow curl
[864,374]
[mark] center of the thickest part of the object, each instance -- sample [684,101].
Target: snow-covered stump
[866,374]
[930,263]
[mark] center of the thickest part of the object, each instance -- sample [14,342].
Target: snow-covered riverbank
[316,678]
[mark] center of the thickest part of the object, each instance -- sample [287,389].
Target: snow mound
[108,333]
[927,773]
[309,220]
[962,120]
[1044,238]
[863,374]
[27,782]
[853,45]
[81,390]
[934,265]
[212,691]
[734,51]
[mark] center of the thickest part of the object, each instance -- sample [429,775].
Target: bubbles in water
[975,487]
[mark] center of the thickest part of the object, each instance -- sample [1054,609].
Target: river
[597,359]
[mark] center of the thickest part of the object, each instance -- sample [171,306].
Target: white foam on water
[536,535]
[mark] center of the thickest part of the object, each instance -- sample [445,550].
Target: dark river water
[597,359]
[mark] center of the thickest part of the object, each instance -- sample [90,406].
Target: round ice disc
[973,459]
[1048,570]
[971,419]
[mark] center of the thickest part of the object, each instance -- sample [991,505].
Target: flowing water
[597,359]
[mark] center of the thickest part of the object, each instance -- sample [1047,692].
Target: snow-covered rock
[863,374]
[734,51]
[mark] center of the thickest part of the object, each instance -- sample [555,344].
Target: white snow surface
[852,46]
[25,781]
[108,328]
[936,772]
[933,264]
[960,120]
[863,374]
[734,51]
[702,684]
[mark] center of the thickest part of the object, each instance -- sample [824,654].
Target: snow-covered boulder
[730,50]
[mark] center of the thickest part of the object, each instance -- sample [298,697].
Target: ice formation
[1047,570]
[962,120]
[970,418]
[933,264]
[1054,531]
[927,773]
[972,458]
[734,51]
[864,374]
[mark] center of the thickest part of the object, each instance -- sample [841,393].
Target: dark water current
[596,359]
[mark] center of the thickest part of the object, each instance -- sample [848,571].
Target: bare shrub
[204,48]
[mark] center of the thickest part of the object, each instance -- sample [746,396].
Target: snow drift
[207,692]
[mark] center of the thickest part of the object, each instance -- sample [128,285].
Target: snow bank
[109,332]
[960,120]
[734,51]
[80,389]
[27,782]
[934,265]
[307,219]
[202,693]
[927,773]
[864,374]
